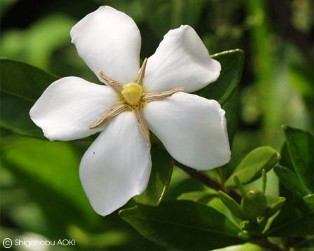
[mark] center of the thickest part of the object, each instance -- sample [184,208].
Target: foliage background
[41,196]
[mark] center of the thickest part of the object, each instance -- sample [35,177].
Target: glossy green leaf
[21,85]
[183,225]
[225,88]
[159,179]
[252,165]
[230,75]
[197,196]
[300,149]
[233,206]
[290,180]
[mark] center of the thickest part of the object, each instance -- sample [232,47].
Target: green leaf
[309,200]
[252,165]
[300,149]
[289,179]
[159,179]
[183,225]
[233,206]
[274,204]
[295,219]
[225,88]
[230,75]
[197,196]
[49,172]
[21,85]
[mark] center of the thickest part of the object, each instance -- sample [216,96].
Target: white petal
[192,128]
[117,166]
[69,106]
[180,60]
[108,40]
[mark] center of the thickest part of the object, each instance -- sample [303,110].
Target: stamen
[153,96]
[116,110]
[113,83]
[141,73]
[142,125]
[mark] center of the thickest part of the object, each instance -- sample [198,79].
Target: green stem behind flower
[208,181]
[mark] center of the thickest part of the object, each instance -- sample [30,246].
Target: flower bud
[254,205]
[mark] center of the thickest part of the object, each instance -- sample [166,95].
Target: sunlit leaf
[252,165]
[183,225]
[21,85]
[159,179]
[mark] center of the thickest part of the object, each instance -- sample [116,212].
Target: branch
[208,181]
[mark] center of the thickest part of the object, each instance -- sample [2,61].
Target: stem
[221,175]
[208,181]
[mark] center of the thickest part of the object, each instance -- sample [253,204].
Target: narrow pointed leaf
[233,206]
[252,165]
[21,85]
[159,179]
[183,225]
[274,204]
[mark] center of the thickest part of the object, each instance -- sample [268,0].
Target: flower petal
[117,166]
[109,41]
[192,128]
[69,106]
[180,60]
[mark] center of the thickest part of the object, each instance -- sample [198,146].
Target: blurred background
[41,196]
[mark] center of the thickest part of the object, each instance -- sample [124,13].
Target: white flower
[117,165]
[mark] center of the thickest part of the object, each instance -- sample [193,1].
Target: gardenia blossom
[131,101]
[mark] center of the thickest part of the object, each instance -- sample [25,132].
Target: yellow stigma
[132,93]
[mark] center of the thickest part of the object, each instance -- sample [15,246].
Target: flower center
[132,93]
